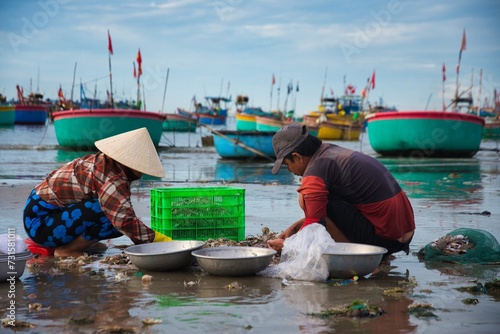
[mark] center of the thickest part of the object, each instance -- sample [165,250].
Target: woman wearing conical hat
[88,199]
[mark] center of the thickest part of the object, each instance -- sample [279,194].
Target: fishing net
[463,245]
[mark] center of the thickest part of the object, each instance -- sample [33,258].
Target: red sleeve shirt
[336,173]
[96,176]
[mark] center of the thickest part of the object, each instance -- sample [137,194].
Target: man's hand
[276,244]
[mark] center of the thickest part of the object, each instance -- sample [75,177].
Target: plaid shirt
[97,176]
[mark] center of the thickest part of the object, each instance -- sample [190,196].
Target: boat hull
[211,119]
[425,133]
[334,129]
[264,123]
[179,123]
[245,122]
[7,115]
[227,146]
[27,114]
[79,129]
[491,129]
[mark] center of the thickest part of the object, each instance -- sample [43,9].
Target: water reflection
[68,155]
[250,172]
[309,298]
[456,179]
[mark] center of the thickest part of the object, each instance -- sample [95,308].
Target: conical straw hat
[134,149]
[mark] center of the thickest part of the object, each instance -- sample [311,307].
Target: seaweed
[357,309]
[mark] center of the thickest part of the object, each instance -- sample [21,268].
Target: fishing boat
[491,115]
[336,129]
[31,109]
[245,122]
[211,114]
[491,128]
[7,115]
[336,122]
[7,112]
[425,133]
[448,133]
[270,123]
[230,144]
[78,129]
[179,123]
[246,117]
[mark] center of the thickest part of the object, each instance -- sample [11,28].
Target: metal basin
[346,260]
[163,256]
[234,261]
[19,262]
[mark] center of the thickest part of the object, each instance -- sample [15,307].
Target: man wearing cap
[352,194]
[88,199]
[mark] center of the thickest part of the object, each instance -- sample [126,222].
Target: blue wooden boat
[231,144]
[211,114]
[30,110]
[30,114]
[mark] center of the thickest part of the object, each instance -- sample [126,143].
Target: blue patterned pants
[51,226]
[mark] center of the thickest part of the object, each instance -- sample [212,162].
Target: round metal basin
[346,260]
[163,256]
[234,261]
[19,263]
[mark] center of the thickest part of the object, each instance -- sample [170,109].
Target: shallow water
[446,194]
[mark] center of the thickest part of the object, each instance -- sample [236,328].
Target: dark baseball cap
[285,141]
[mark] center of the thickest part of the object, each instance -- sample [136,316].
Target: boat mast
[73,85]
[165,90]
[139,73]
[462,48]
[110,49]
[479,93]
[323,88]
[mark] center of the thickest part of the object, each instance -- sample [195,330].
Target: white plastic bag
[301,255]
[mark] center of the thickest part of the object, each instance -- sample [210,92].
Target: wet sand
[97,297]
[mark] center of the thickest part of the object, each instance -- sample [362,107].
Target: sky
[235,47]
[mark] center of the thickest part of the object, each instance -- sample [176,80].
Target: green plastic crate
[199,213]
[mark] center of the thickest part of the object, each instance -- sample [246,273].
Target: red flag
[273,80]
[110,46]
[135,72]
[350,90]
[372,80]
[444,73]
[60,94]
[464,43]
[139,62]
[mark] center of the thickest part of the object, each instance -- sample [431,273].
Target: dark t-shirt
[336,173]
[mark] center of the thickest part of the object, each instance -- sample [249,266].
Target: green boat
[79,129]
[491,128]
[425,133]
[7,115]
[179,123]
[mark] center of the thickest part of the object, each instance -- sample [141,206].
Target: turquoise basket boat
[425,133]
[7,115]
[79,129]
